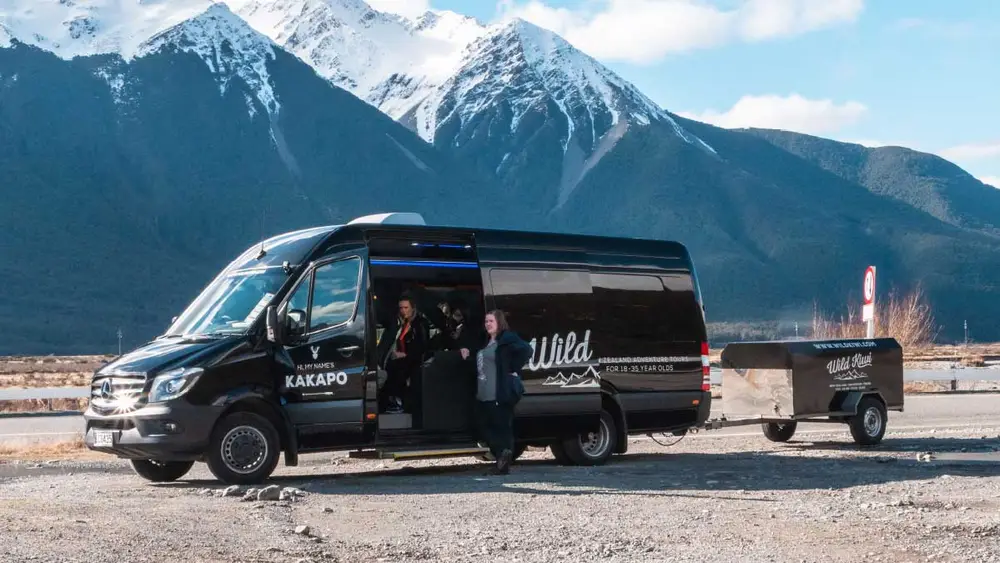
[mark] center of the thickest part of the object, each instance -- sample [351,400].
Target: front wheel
[161,471]
[593,448]
[868,426]
[244,449]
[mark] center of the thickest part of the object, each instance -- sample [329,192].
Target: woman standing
[499,386]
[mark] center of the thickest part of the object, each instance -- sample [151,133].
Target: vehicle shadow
[646,474]
[929,444]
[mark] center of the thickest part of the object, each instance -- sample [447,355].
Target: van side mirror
[295,323]
[274,332]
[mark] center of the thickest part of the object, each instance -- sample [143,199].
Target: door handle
[348,349]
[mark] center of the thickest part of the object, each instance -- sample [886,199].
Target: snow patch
[228,46]
[116,81]
[5,37]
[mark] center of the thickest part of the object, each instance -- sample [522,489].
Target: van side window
[335,294]
[540,303]
[632,307]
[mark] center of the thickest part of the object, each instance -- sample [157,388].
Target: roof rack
[395,218]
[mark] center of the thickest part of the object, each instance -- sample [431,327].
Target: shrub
[908,319]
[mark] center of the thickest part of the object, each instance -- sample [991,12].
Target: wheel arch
[258,402]
[612,403]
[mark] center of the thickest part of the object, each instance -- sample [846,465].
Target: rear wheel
[868,426]
[244,450]
[593,448]
[780,431]
[161,471]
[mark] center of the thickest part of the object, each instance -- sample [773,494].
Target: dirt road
[726,498]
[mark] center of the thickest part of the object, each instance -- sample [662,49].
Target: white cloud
[974,151]
[644,31]
[790,113]
[991,180]
[408,8]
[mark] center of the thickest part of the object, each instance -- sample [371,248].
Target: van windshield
[242,292]
[231,304]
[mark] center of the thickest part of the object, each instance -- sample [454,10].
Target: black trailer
[777,384]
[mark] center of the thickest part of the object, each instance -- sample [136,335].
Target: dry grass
[39,405]
[908,319]
[71,449]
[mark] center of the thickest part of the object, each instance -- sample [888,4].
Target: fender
[263,395]
[850,403]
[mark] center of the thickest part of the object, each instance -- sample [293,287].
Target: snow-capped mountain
[230,48]
[357,47]
[71,28]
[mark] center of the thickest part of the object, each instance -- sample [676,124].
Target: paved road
[926,412]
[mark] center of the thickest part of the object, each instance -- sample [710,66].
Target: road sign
[870,285]
[868,309]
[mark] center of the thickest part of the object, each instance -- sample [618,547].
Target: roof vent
[390,219]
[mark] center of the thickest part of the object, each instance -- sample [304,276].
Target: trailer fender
[254,399]
[852,399]
[612,403]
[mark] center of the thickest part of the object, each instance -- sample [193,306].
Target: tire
[259,448]
[868,426]
[161,471]
[559,452]
[593,448]
[779,432]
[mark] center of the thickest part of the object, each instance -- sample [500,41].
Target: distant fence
[910,375]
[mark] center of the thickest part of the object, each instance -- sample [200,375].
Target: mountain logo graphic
[850,376]
[589,378]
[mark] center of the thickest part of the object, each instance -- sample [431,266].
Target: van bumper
[175,431]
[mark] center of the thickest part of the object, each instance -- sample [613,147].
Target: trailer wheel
[868,426]
[161,471]
[593,448]
[244,449]
[780,431]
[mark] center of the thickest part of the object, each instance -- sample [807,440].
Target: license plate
[103,438]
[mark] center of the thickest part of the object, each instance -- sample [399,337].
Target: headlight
[174,383]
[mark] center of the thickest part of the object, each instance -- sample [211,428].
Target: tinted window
[647,309]
[335,294]
[551,308]
[631,306]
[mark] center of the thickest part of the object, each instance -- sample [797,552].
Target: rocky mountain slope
[128,183]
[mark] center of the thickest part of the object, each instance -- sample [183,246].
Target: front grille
[118,393]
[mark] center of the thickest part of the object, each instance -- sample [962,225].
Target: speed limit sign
[868,310]
[870,285]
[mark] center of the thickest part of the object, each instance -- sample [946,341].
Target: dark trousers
[397,374]
[496,426]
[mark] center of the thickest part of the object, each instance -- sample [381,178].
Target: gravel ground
[706,498]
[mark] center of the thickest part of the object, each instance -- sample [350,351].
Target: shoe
[395,406]
[503,464]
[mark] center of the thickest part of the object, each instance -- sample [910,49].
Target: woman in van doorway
[499,387]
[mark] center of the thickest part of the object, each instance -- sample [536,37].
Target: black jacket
[512,354]
[416,341]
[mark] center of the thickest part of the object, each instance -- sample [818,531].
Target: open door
[325,397]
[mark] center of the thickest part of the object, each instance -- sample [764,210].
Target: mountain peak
[71,28]
[228,45]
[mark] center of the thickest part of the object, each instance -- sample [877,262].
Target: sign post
[868,309]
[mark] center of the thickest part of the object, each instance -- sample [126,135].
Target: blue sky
[918,73]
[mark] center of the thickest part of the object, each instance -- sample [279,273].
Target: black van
[280,353]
